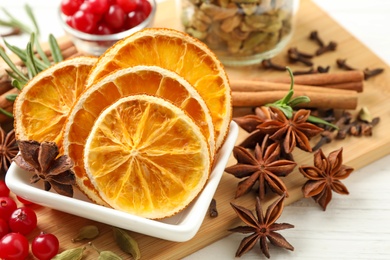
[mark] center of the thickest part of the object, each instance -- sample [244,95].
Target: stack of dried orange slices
[143,134]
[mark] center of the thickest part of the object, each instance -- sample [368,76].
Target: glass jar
[240,32]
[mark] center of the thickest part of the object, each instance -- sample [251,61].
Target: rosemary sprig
[14,22]
[286,104]
[55,49]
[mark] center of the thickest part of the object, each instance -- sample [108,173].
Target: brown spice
[42,160]
[264,167]
[294,132]
[325,176]
[261,227]
[8,149]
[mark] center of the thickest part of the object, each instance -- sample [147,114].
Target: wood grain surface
[358,152]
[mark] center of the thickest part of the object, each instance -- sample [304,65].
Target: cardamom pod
[126,243]
[86,232]
[71,254]
[108,255]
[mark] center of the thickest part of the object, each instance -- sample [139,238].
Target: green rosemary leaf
[9,62]
[18,84]
[41,53]
[16,23]
[17,51]
[317,120]
[31,68]
[55,49]
[299,100]
[5,112]
[11,97]
[32,17]
[23,56]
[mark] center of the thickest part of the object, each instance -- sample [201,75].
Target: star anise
[261,228]
[264,167]
[324,177]
[42,159]
[8,149]
[296,131]
[249,123]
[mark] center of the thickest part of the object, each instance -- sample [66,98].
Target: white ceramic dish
[181,227]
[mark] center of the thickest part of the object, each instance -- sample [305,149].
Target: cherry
[23,220]
[45,246]
[4,191]
[69,7]
[13,246]
[7,206]
[115,17]
[4,229]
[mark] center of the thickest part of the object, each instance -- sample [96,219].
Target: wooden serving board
[358,151]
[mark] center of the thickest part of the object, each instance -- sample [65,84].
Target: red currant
[23,220]
[4,229]
[69,7]
[7,206]
[4,191]
[13,246]
[99,6]
[127,5]
[115,17]
[45,246]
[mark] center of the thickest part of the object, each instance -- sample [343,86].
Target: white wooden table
[353,227]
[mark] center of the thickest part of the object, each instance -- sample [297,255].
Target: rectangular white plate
[181,227]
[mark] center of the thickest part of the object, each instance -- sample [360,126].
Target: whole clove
[330,47]
[342,64]
[314,37]
[213,212]
[304,72]
[321,69]
[295,56]
[268,64]
[371,73]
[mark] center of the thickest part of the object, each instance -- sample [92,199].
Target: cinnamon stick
[6,104]
[317,99]
[320,79]
[256,85]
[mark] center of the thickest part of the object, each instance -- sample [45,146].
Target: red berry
[24,201]
[7,206]
[134,19]
[23,220]
[99,6]
[115,17]
[84,21]
[45,246]
[4,228]
[4,191]
[127,5]
[103,29]
[69,7]
[144,6]
[13,246]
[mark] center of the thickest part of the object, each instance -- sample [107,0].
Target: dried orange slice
[181,53]
[150,80]
[147,157]
[41,108]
